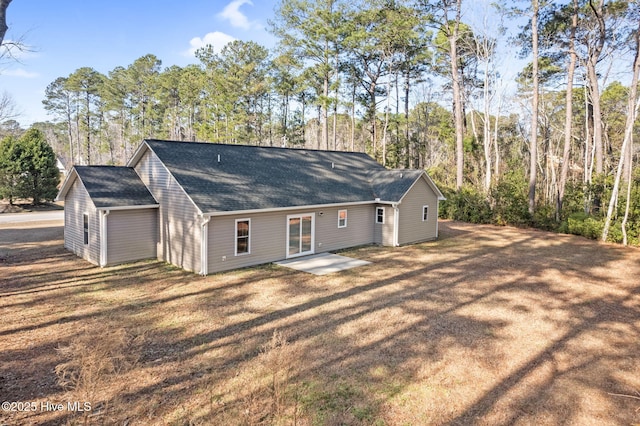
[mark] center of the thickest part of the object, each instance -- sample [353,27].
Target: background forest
[413,85]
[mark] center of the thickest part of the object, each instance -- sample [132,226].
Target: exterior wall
[358,231]
[383,232]
[179,231]
[412,228]
[269,232]
[131,235]
[76,204]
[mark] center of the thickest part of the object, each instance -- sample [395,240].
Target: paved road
[31,217]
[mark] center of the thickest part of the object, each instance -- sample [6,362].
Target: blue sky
[67,35]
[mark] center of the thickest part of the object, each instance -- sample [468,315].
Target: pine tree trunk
[632,115]
[457,98]
[533,165]
[627,207]
[568,119]
[487,130]
[596,116]
[406,121]
[592,76]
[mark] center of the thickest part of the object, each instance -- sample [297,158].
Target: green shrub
[467,205]
[509,200]
[615,232]
[573,199]
[507,204]
[544,218]
[585,225]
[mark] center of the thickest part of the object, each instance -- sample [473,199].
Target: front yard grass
[486,326]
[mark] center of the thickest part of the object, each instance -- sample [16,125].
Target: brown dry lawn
[486,326]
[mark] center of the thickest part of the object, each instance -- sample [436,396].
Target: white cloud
[216,39]
[236,18]
[19,72]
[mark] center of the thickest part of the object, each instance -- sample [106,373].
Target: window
[243,230]
[425,213]
[85,227]
[379,214]
[342,218]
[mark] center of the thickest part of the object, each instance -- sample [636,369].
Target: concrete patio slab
[322,264]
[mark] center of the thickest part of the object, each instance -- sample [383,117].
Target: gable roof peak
[110,186]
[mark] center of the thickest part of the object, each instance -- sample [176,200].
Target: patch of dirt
[485,326]
[23,206]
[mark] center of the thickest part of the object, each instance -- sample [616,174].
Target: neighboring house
[212,207]
[60,164]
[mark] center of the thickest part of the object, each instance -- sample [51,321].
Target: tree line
[413,84]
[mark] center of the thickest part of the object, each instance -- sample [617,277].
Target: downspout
[204,245]
[103,237]
[437,216]
[396,220]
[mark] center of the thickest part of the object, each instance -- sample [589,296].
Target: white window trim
[346,218]
[383,215]
[235,237]
[313,235]
[425,207]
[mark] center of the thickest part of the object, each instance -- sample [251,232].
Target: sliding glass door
[300,234]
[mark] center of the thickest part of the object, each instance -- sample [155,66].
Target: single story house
[209,207]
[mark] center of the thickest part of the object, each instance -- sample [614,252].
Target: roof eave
[138,153]
[424,175]
[289,208]
[67,184]
[130,207]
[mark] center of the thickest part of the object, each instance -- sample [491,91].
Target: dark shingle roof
[391,185]
[111,186]
[253,178]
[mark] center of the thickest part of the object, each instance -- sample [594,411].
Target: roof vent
[218,158]
[400,173]
[333,165]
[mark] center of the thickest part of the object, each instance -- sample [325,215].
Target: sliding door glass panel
[306,234]
[294,236]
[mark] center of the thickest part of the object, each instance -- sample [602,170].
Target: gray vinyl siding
[179,228]
[383,232]
[377,228]
[269,232]
[131,235]
[411,228]
[76,204]
[358,231]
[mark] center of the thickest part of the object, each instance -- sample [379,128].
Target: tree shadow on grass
[503,326]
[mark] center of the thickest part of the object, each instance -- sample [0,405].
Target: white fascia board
[433,186]
[144,206]
[430,183]
[139,152]
[66,184]
[70,184]
[284,209]
[138,155]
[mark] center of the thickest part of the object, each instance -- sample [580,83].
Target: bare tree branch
[7,107]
